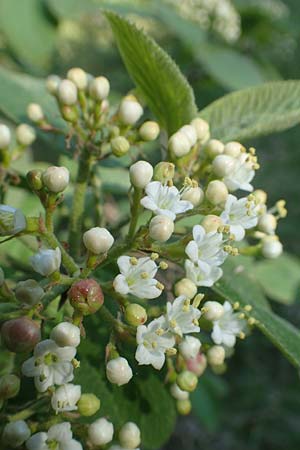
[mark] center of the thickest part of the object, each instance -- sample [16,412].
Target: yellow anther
[173,323]
[170,183]
[256,166]
[251,197]
[144,275]
[75,363]
[248,308]
[197,300]
[187,302]
[154,344]
[159,332]
[221,229]
[251,321]
[133,261]
[241,316]
[163,265]
[160,286]
[154,256]
[252,150]
[241,335]
[236,305]
[171,351]
[195,322]
[204,310]
[194,184]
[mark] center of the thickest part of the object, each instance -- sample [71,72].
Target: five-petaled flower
[227,327]
[182,317]
[240,215]
[58,437]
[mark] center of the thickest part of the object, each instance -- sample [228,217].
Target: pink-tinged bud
[197,365]
[86,296]
[20,335]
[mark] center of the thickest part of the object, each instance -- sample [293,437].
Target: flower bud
[216,355]
[78,77]
[52,84]
[56,179]
[190,132]
[99,88]
[2,277]
[161,228]
[88,405]
[185,287]
[202,129]
[267,223]
[195,195]
[25,135]
[12,220]
[164,172]
[29,292]
[5,136]
[184,407]
[98,240]
[216,192]
[34,179]
[35,112]
[65,397]
[197,365]
[179,144]
[118,371]
[187,381]
[20,335]
[130,110]
[140,174]
[260,196]
[213,310]
[9,386]
[271,247]
[46,262]
[119,146]
[86,296]
[135,314]
[223,165]
[214,148]
[149,131]
[178,393]
[67,93]
[189,347]
[15,433]
[130,436]
[211,223]
[65,334]
[101,432]
[233,149]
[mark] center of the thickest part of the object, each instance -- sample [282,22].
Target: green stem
[67,260]
[137,194]
[28,412]
[82,180]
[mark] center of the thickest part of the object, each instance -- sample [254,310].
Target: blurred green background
[221,46]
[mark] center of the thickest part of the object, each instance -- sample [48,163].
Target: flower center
[50,358]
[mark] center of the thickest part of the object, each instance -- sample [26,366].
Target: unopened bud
[195,195]
[187,381]
[140,174]
[211,223]
[179,144]
[233,149]
[214,148]
[197,365]
[130,436]
[119,146]
[216,192]
[185,287]
[161,228]
[149,131]
[260,196]
[12,221]
[78,77]
[25,134]
[216,355]
[29,292]
[189,347]
[20,335]
[178,393]
[184,407]
[52,84]
[135,314]
[67,92]
[15,433]
[56,179]
[86,296]
[99,88]
[202,129]
[190,132]
[118,371]
[271,247]
[46,262]
[101,432]
[88,405]
[35,112]
[223,165]
[34,179]
[5,136]
[130,110]
[65,334]
[267,223]
[9,386]
[164,172]
[213,310]
[98,240]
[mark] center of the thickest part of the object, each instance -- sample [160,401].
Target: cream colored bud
[223,165]
[233,149]
[267,223]
[56,179]
[216,355]
[185,287]
[79,77]
[187,381]
[211,223]
[202,129]
[140,174]
[216,192]
[189,347]
[214,148]
[130,110]
[271,247]
[98,240]
[118,371]
[190,132]
[161,228]
[35,112]
[130,436]
[195,195]
[213,310]
[25,134]
[120,146]
[65,334]
[179,144]
[5,136]
[99,88]
[178,393]
[101,432]
[184,407]
[67,92]
[135,314]
[260,196]
[52,84]
[149,131]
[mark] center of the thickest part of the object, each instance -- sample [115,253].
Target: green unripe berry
[88,405]
[135,314]
[184,407]
[120,146]
[9,386]
[187,381]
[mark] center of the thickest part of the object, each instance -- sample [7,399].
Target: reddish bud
[20,335]
[197,365]
[86,296]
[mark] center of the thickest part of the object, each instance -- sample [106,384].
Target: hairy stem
[137,193]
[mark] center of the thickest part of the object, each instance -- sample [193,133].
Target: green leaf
[29,32]
[279,278]
[255,111]
[145,401]
[235,286]
[163,86]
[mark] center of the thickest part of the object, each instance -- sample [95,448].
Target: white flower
[65,397]
[241,175]
[58,437]
[15,433]
[137,277]
[189,347]
[165,200]
[12,220]
[66,334]
[49,365]
[182,317]
[206,247]
[153,341]
[101,432]
[240,215]
[46,261]
[227,327]
[201,273]
[118,371]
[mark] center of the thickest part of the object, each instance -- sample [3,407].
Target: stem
[137,193]
[28,412]
[67,260]
[82,179]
